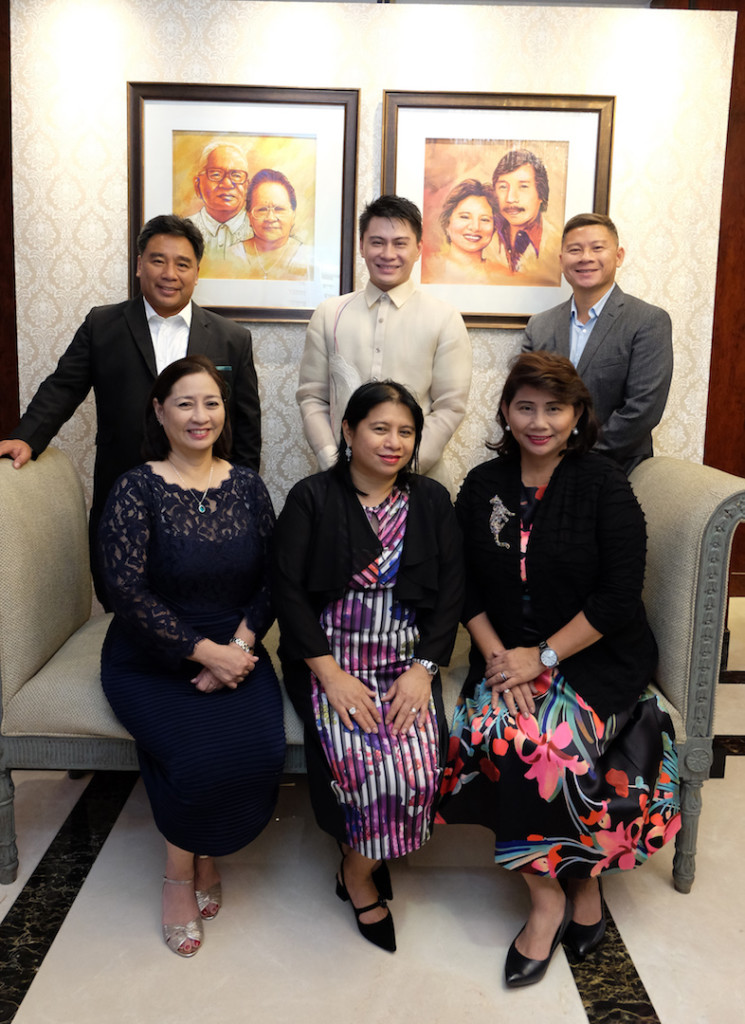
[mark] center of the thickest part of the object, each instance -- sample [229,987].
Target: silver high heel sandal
[206,897]
[176,935]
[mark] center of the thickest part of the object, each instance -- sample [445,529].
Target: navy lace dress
[211,762]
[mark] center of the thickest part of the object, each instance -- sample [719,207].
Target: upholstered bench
[53,713]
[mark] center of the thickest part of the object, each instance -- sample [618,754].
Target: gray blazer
[627,365]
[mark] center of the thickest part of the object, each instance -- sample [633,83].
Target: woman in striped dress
[368,587]
[185,548]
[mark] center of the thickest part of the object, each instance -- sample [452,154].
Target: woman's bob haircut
[554,374]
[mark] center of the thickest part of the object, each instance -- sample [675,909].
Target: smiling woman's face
[383,443]
[471,224]
[272,216]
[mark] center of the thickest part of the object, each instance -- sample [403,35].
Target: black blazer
[323,537]
[112,353]
[586,553]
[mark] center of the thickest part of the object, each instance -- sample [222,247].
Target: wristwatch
[549,657]
[429,665]
[242,644]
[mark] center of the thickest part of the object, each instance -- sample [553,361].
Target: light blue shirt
[579,333]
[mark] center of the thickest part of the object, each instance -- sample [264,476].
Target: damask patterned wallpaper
[71,60]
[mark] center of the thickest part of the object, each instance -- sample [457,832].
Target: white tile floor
[284,949]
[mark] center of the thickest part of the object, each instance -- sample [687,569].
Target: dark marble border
[31,924]
[722,748]
[732,676]
[608,984]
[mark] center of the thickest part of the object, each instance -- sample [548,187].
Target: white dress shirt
[170,335]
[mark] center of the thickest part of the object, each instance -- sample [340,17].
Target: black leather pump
[520,970]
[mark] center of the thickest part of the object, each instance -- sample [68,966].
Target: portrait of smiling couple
[247,216]
[499,232]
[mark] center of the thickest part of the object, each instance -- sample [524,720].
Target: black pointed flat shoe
[520,970]
[380,933]
[583,939]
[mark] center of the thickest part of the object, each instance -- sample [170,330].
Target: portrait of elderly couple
[493,212]
[252,199]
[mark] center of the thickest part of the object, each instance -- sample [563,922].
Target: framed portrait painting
[496,177]
[268,176]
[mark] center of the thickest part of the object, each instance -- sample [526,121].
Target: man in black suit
[622,346]
[119,350]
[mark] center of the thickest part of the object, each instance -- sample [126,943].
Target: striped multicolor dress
[385,784]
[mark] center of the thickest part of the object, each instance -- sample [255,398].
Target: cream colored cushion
[45,593]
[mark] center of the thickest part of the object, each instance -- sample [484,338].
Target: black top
[172,572]
[586,553]
[323,537]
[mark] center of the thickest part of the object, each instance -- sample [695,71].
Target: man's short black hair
[392,208]
[587,220]
[170,224]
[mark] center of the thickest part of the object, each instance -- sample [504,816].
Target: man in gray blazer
[119,350]
[621,346]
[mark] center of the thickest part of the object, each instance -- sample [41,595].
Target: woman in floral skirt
[558,744]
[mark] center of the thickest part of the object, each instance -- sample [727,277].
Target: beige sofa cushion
[65,697]
[43,564]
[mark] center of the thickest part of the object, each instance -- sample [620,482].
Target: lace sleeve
[124,540]
[259,612]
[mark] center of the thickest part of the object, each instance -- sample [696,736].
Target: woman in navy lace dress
[184,544]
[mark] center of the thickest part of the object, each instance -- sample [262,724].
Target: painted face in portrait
[223,182]
[517,194]
[272,216]
[471,224]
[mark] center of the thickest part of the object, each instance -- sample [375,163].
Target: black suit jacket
[627,366]
[112,353]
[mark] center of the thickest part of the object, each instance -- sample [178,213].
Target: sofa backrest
[691,512]
[45,584]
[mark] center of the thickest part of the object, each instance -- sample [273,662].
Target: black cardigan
[323,537]
[586,553]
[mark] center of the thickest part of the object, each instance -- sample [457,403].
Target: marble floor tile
[285,949]
[41,804]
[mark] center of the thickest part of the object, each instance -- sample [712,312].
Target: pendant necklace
[264,268]
[201,506]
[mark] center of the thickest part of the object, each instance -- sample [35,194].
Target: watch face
[549,657]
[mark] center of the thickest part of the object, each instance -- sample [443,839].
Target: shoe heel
[341,891]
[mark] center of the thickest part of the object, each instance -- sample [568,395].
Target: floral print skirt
[567,794]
